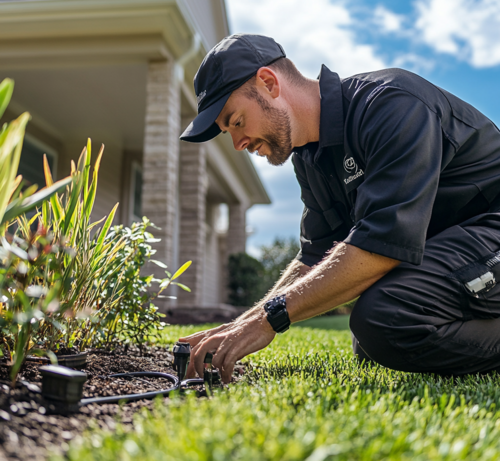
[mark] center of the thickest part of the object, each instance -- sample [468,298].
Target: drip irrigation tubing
[178,385]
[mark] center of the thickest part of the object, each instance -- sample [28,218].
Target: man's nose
[240,142]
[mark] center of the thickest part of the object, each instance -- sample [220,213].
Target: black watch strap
[277,315]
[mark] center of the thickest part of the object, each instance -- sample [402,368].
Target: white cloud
[467,29]
[388,21]
[312,33]
[414,62]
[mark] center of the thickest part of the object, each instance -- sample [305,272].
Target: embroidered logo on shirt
[350,165]
[357,175]
[200,97]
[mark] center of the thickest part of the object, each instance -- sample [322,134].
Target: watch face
[275,305]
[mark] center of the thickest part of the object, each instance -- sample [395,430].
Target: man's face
[255,125]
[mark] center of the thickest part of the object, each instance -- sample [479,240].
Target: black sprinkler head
[182,353]
[210,374]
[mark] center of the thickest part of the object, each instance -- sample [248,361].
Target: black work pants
[423,319]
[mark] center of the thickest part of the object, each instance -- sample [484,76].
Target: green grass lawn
[305,397]
[326,322]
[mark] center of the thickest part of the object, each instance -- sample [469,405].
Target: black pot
[70,361]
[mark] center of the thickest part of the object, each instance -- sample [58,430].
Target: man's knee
[362,320]
[370,322]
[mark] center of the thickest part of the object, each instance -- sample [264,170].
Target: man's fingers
[200,351]
[190,372]
[227,366]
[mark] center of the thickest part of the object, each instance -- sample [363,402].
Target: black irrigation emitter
[64,386]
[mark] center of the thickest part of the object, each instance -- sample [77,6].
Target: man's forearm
[294,271]
[341,277]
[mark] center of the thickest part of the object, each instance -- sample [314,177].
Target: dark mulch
[30,427]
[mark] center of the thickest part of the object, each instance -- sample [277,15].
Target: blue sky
[453,43]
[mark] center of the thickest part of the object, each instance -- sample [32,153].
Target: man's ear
[268,80]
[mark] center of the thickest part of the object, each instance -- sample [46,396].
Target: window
[31,163]
[136,192]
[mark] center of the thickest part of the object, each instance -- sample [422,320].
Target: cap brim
[203,127]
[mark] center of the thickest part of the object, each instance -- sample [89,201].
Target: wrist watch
[277,314]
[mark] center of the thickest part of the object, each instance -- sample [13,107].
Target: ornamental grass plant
[30,268]
[67,282]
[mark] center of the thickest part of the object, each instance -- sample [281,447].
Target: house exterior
[121,72]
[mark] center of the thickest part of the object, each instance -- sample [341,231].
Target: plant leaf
[73,201]
[89,201]
[184,287]
[23,205]
[158,263]
[105,229]
[181,270]
[46,171]
[6,90]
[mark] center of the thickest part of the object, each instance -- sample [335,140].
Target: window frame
[45,149]
[134,167]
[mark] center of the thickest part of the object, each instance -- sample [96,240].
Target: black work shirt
[398,161]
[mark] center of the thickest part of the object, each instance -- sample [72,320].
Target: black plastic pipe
[145,395]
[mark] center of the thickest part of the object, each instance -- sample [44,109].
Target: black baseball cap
[226,67]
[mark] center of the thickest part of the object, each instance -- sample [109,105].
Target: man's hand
[230,342]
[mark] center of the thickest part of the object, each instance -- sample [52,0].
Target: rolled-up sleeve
[401,140]
[319,231]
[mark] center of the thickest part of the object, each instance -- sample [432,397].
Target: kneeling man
[401,188]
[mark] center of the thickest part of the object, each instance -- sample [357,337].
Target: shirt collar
[331,127]
[331,124]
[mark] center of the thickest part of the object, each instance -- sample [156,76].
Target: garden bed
[30,427]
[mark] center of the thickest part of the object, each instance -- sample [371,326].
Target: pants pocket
[480,285]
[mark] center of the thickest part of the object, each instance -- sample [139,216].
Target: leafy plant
[26,290]
[136,319]
[31,283]
[93,266]
[107,295]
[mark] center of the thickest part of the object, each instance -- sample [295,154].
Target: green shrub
[31,283]
[135,319]
[30,270]
[104,273]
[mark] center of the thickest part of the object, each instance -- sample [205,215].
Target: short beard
[279,134]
